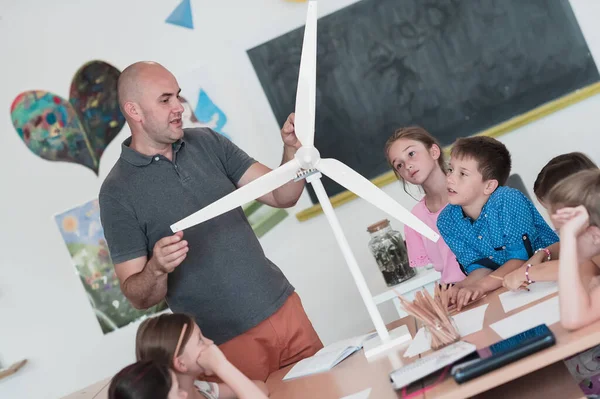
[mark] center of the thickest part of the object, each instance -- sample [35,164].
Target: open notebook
[328,357]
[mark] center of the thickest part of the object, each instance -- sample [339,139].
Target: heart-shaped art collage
[76,130]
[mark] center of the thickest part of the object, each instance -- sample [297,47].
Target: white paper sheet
[420,343]
[547,312]
[467,322]
[359,395]
[470,321]
[513,300]
[328,357]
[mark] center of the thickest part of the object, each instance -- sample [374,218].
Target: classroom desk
[356,373]
[98,390]
[425,278]
[350,376]
[567,344]
[353,373]
[542,375]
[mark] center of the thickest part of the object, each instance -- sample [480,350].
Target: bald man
[216,271]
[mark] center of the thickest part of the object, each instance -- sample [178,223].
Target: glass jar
[451,334]
[387,246]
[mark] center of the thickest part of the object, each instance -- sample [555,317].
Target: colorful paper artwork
[205,114]
[182,15]
[263,218]
[202,109]
[77,130]
[83,235]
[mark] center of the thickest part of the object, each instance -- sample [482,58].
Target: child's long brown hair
[415,133]
[141,380]
[157,337]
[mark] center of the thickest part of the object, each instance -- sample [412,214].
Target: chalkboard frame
[495,131]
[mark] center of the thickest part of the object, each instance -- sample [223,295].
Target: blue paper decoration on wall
[182,15]
[207,110]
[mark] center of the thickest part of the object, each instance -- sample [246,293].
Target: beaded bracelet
[529,281]
[547,251]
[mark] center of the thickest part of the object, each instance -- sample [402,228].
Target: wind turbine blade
[304,122]
[251,191]
[353,181]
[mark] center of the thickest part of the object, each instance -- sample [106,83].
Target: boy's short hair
[581,188]
[493,158]
[557,169]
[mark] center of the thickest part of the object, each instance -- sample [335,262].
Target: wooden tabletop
[98,390]
[356,373]
[567,344]
[352,375]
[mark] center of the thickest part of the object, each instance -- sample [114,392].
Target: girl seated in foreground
[175,340]
[575,204]
[575,208]
[145,380]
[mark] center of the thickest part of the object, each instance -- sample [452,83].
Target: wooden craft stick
[440,312]
[441,293]
[416,312]
[445,299]
[12,369]
[424,304]
[453,307]
[178,347]
[434,316]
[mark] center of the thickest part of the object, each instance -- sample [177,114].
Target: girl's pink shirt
[422,251]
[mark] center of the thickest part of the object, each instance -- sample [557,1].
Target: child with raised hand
[557,169]
[575,203]
[543,265]
[416,158]
[176,340]
[492,229]
[575,207]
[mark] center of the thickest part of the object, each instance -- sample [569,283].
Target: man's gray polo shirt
[226,282]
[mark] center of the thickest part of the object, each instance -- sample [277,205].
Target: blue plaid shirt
[509,227]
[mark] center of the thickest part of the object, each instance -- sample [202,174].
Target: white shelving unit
[425,278]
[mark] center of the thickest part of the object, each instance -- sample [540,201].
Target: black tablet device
[504,352]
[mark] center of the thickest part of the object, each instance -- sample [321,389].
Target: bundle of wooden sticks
[442,292]
[434,314]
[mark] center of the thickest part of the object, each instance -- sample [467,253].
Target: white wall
[44,315]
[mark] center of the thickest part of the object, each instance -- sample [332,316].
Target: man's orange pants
[284,338]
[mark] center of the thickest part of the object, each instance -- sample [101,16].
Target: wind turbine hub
[307,157]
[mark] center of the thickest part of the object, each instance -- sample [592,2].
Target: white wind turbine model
[307,164]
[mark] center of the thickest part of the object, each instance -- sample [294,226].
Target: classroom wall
[44,314]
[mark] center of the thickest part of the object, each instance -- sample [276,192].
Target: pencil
[435,317]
